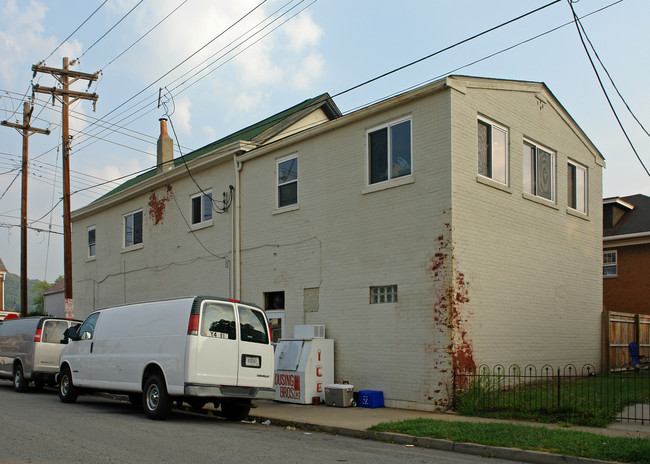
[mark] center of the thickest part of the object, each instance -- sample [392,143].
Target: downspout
[236,233]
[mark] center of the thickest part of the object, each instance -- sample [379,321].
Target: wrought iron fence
[580,396]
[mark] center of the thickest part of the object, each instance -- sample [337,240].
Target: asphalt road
[38,428]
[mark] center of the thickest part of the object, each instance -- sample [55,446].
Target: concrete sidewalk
[355,422]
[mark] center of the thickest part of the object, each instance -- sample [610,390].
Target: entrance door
[276,322]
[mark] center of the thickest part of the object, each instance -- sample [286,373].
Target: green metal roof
[247,134]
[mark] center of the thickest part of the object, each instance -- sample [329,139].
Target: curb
[511,454]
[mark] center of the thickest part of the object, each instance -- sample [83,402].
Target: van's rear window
[252,325]
[53,331]
[218,321]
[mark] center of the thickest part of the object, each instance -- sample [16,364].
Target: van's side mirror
[70,334]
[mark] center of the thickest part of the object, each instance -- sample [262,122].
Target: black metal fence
[548,394]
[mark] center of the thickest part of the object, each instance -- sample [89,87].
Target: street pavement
[356,421]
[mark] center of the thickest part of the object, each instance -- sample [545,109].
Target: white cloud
[303,32]
[311,68]
[181,115]
[21,36]
[209,132]
[248,101]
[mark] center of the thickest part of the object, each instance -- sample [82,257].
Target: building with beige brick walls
[451,226]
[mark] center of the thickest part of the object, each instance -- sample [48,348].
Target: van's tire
[20,383]
[235,411]
[155,400]
[68,393]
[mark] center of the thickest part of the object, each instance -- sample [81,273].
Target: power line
[75,31]
[602,87]
[143,36]
[108,31]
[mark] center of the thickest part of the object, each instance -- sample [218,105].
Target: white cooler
[339,395]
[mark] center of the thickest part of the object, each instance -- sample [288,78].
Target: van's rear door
[217,345]
[48,350]
[255,360]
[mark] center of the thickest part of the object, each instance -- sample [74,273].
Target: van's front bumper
[229,391]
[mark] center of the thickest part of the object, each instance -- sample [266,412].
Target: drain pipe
[236,232]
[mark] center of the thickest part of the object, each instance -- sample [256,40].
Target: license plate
[252,361]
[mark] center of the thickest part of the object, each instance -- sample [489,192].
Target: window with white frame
[577,187]
[91,242]
[385,294]
[201,207]
[389,151]
[610,264]
[132,229]
[287,181]
[539,171]
[492,151]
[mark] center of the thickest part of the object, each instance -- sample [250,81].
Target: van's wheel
[20,384]
[235,411]
[68,393]
[155,401]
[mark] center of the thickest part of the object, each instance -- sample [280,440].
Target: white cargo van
[30,349]
[194,349]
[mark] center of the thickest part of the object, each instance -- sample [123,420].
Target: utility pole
[66,77]
[27,131]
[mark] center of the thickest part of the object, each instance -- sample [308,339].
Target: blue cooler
[371,399]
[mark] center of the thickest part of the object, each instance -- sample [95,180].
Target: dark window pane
[137,227]
[196,210]
[400,144]
[379,156]
[571,185]
[484,161]
[288,194]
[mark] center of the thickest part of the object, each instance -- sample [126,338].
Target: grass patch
[585,400]
[565,442]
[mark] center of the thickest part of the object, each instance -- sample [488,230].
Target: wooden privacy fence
[621,329]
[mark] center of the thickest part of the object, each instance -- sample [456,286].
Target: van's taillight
[37,335]
[268,327]
[193,326]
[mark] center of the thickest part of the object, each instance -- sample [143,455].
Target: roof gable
[259,133]
[625,220]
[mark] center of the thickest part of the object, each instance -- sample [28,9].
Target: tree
[39,288]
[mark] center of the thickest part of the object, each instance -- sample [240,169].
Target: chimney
[165,153]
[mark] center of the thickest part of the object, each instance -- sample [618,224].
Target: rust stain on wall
[451,318]
[157,205]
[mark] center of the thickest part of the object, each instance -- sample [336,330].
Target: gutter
[637,238]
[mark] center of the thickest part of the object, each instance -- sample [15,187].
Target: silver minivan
[30,348]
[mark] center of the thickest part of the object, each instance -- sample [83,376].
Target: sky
[217,67]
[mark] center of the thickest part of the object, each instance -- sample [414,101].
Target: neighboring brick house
[453,225]
[626,254]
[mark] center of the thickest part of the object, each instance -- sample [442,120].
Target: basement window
[385,294]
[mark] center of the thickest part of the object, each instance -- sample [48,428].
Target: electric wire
[611,80]
[113,27]
[75,31]
[602,87]
[142,36]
